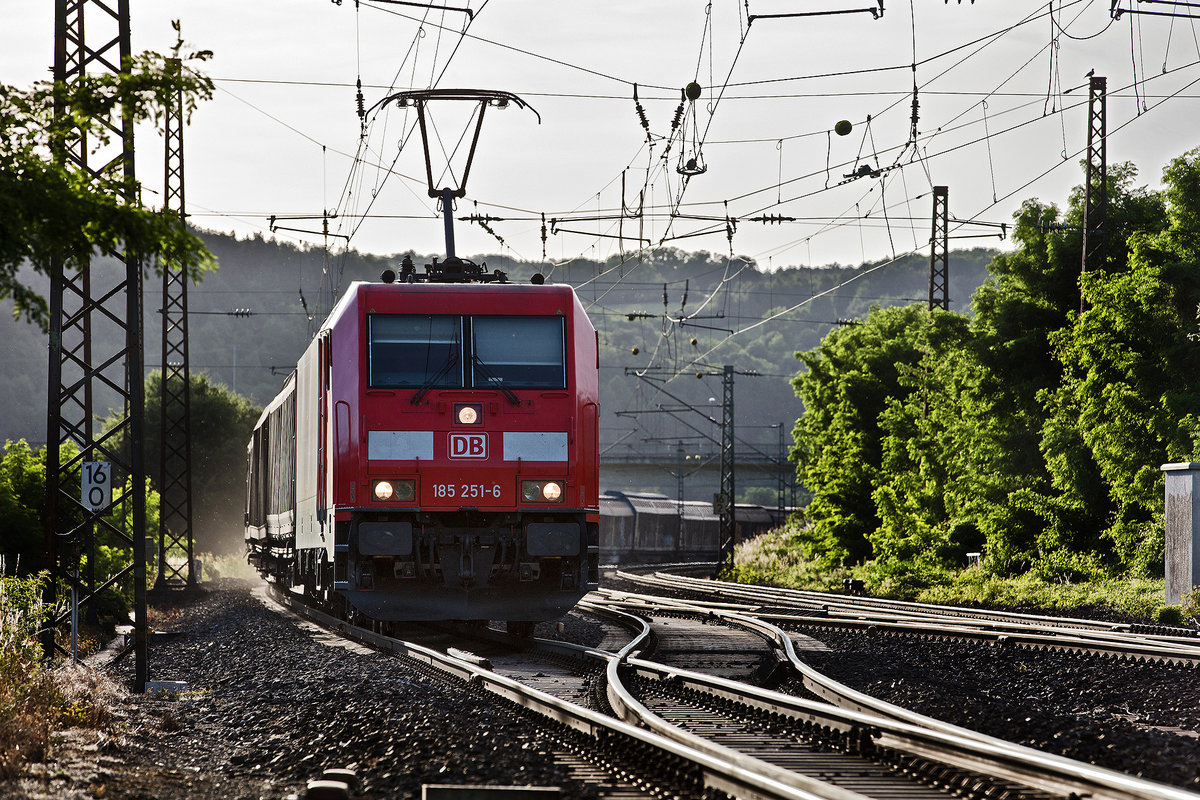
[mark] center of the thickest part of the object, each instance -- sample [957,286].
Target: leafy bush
[1169,615]
[775,558]
[35,700]
[22,505]
[29,701]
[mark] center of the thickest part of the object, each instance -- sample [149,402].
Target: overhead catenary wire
[887,263]
[981,38]
[776,190]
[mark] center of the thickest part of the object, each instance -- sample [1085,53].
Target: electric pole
[782,469]
[726,500]
[1095,184]
[88,311]
[175,447]
[939,247]
[680,454]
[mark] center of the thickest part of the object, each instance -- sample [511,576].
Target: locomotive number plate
[467,491]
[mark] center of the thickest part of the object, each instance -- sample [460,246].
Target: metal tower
[175,450]
[1095,185]
[95,349]
[726,501]
[939,247]
[783,465]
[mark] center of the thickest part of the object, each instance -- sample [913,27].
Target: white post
[75,619]
[1182,520]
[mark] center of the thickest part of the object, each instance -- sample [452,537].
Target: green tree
[221,423]
[1033,431]
[49,212]
[1130,397]
[1012,425]
[22,506]
[851,379]
[919,428]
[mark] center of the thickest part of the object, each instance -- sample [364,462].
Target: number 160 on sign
[96,485]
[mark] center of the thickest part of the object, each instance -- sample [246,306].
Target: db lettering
[469,445]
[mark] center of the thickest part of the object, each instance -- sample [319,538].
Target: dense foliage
[52,213]
[1031,431]
[221,423]
[22,529]
[27,696]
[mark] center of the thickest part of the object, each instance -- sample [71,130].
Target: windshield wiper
[496,383]
[437,376]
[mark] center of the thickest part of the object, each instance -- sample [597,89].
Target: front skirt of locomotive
[467,565]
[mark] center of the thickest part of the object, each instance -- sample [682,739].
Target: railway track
[957,758]
[798,610]
[669,728]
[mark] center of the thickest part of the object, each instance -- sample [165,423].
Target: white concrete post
[1182,517]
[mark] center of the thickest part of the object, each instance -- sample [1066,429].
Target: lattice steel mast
[96,347]
[1095,184]
[939,247]
[727,499]
[175,447]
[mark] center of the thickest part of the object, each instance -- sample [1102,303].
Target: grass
[36,700]
[28,700]
[773,558]
[1140,597]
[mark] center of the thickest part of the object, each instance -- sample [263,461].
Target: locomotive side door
[324,434]
[310,415]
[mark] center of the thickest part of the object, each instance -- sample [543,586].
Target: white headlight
[383,490]
[551,491]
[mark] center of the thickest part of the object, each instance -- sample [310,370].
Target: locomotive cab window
[415,350]
[525,352]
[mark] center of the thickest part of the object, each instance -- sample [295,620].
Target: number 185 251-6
[466,490]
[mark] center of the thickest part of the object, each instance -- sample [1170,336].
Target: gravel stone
[1139,718]
[269,707]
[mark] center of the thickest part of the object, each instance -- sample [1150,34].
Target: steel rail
[910,732]
[631,710]
[1037,633]
[737,775]
[828,601]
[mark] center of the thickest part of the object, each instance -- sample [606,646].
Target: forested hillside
[250,320]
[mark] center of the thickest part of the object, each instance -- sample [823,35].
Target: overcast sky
[1002,117]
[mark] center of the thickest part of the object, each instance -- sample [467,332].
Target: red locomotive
[434,455]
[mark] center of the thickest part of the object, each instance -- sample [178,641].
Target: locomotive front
[463,424]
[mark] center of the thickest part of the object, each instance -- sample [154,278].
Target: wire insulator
[362,109]
[679,111]
[916,116]
[641,112]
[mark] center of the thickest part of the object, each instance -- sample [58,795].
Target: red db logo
[468,445]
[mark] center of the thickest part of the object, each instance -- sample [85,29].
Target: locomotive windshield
[512,352]
[415,350]
[518,352]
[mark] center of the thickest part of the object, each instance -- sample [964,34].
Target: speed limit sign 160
[96,485]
